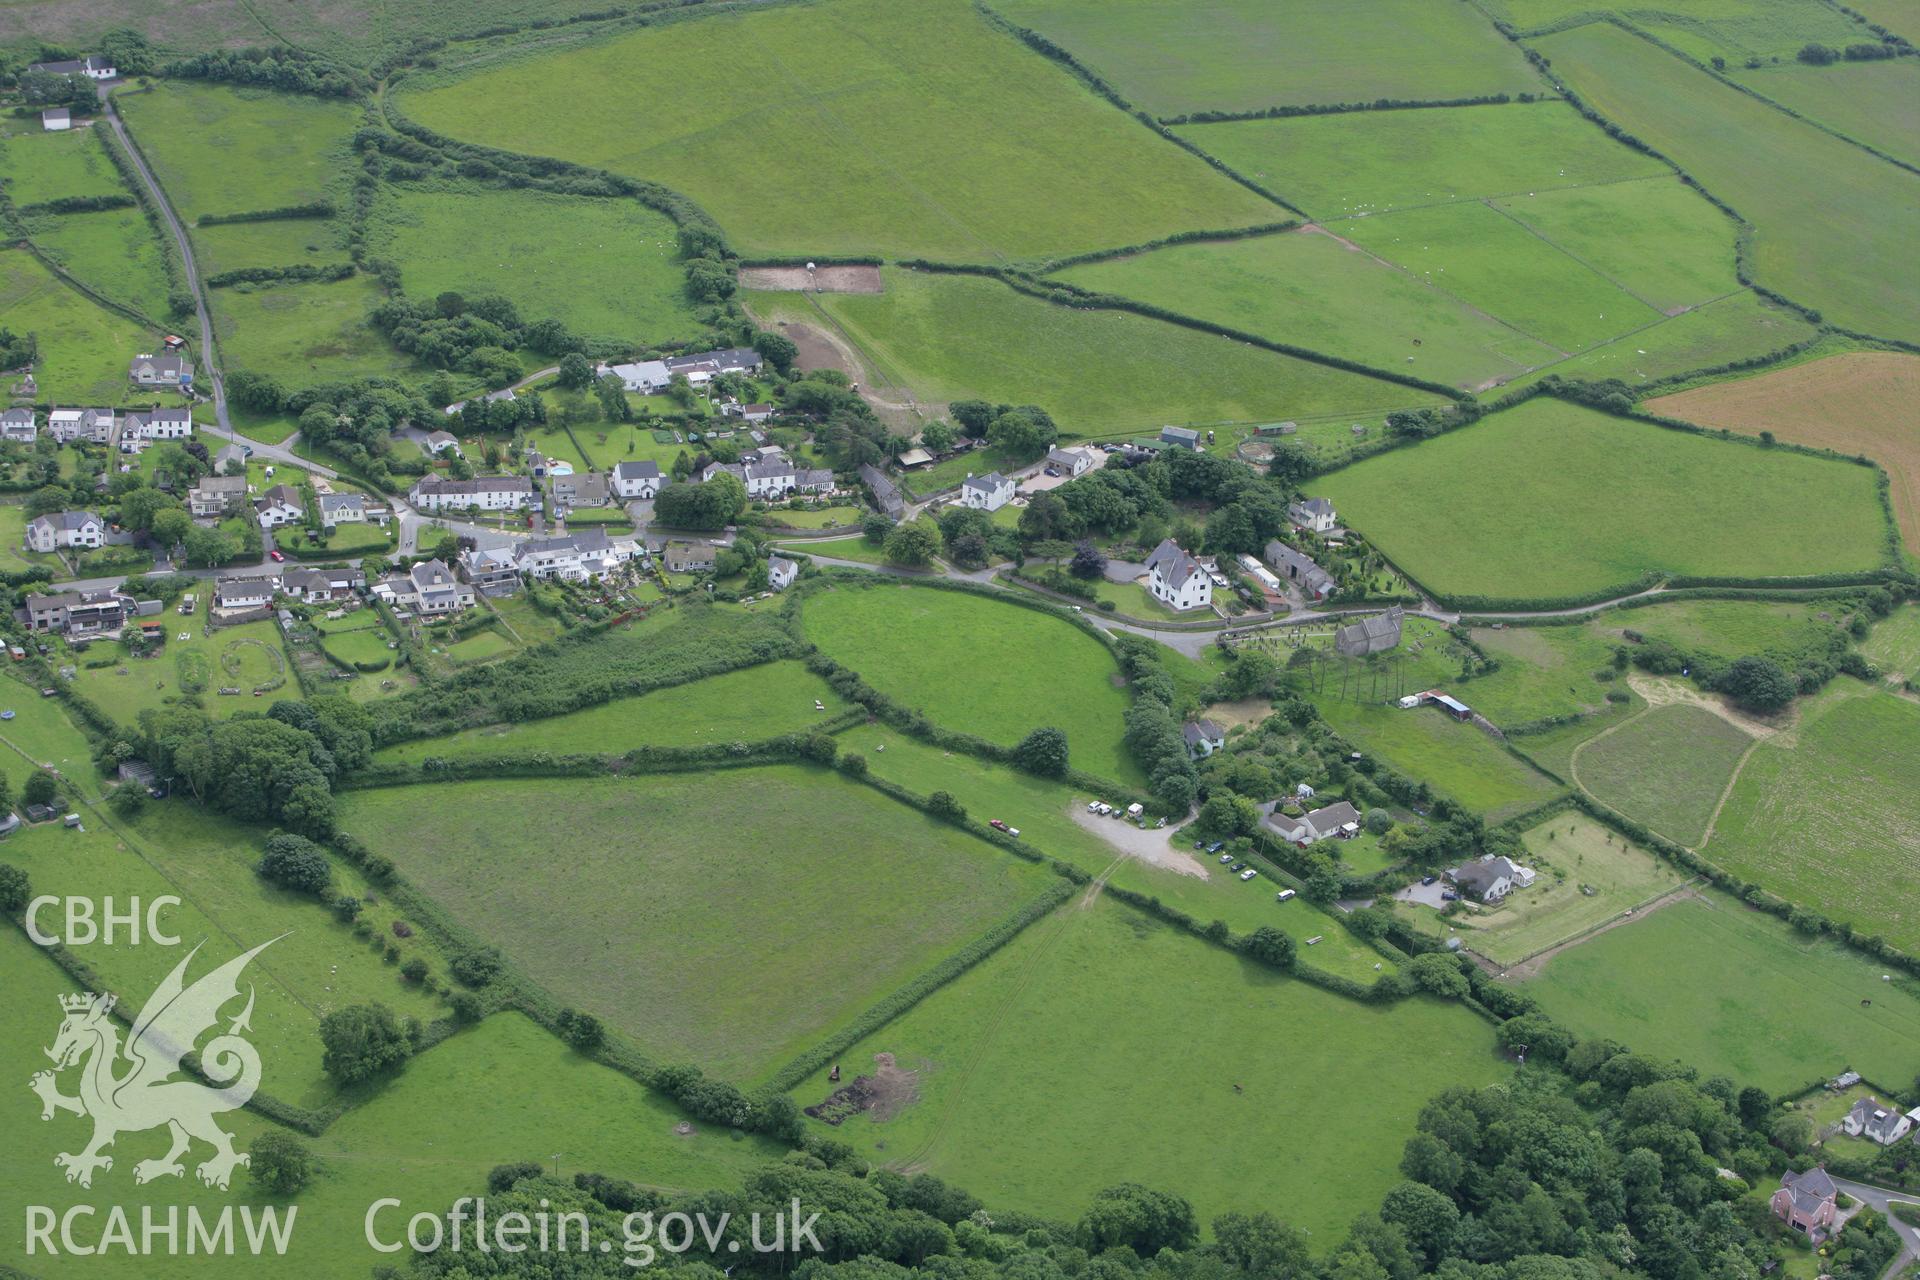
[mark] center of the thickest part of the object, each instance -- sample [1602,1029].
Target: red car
[277,557]
[997,825]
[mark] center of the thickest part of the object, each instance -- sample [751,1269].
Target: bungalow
[1374,634]
[1491,878]
[886,497]
[64,529]
[18,425]
[93,67]
[343,508]
[492,397]
[486,493]
[648,377]
[1180,438]
[1336,821]
[491,570]
[281,505]
[1315,583]
[1204,737]
[1876,1121]
[56,119]
[216,496]
[428,588]
[1071,462]
[318,586]
[439,442]
[1808,1202]
[579,489]
[95,426]
[747,412]
[781,572]
[1176,579]
[78,612]
[989,492]
[148,370]
[738,470]
[239,594]
[689,557]
[637,479]
[1315,514]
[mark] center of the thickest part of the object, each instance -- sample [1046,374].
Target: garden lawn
[979,666]
[741,706]
[856,548]
[1170,57]
[38,167]
[1312,290]
[729,918]
[1110,373]
[242,657]
[113,252]
[1744,326]
[1823,816]
[1732,991]
[278,242]
[305,333]
[1456,759]
[365,647]
[605,268]
[1666,769]
[1834,225]
[1877,103]
[821,518]
[84,348]
[1367,162]
[1103,1046]
[1514,506]
[927,133]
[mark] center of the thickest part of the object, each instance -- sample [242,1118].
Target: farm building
[886,496]
[1315,583]
[56,119]
[1375,634]
[1180,438]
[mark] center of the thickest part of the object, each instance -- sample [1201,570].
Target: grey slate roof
[987,483]
[1174,564]
[1809,1190]
[646,470]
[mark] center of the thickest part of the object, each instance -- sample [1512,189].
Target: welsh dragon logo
[153,1091]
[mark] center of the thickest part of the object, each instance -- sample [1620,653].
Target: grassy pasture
[1370,162]
[1742,326]
[1454,758]
[84,348]
[1875,102]
[1894,645]
[1855,402]
[1103,1046]
[305,333]
[280,242]
[1729,628]
[979,666]
[1733,991]
[1835,226]
[1498,265]
[38,167]
[603,267]
[927,133]
[1242,55]
[220,149]
[754,909]
[1097,372]
[113,251]
[1731,28]
[740,706]
[1667,768]
[1823,816]
[1315,291]
[1540,525]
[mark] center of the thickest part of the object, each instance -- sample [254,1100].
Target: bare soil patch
[1662,693]
[1153,845]
[818,280]
[1246,711]
[1860,402]
[821,348]
[881,1096]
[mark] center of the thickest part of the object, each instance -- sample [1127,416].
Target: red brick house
[1807,1202]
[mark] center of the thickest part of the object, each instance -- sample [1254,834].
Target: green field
[926,132]
[1103,1047]
[242,657]
[1097,372]
[1734,28]
[84,348]
[1744,326]
[605,268]
[277,242]
[305,333]
[1455,758]
[1731,628]
[219,149]
[1734,992]
[1823,817]
[1894,645]
[39,167]
[1666,769]
[1243,55]
[1565,500]
[1877,103]
[755,909]
[1368,162]
[1312,290]
[979,666]
[1834,224]
[114,252]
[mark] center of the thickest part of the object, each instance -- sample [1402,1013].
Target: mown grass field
[1666,769]
[1854,402]
[927,133]
[1370,162]
[1834,224]
[1103,1046]
[605,268]
[1743,326]
[1565,500]
[280,242]
[1242,55]
[740,706]
[84,348]
[1312,290]
[305,333]
[1824,817]
[1097,372]
[1734,28]
[979,666]
[220,149]
[729,918]
[1877,103]
[1455,758]
[1733,991]
[39,167]
[114,252]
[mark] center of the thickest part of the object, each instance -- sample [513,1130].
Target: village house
[216,496]
[1315,514]
[1176,579]
[238,595]
[94,426]
[280,505]
[318,586]
[172,371]
[689,557]
[886,496]
[705,366]
[1204,737]
[1876,1121]
[1180,438]
[749,413]
[1808,1202]
[78,612]
[1374,634]
[574,557]
[578,489]
[772,478]
[428,588]
[56,119]
[343,508]
[989,492]
[18,425]
[1314,582]
[781,572]
[439,442]
[484,493]
[65,529]
[637,480]
[93,67]
[138,430]
[1334,822]
[1071,462]
[1491,878]
[490,570]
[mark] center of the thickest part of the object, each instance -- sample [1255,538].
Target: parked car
[1428,879]
[1225,858]
[276,556]
[1238,867]
[1283,895]
[1216,846]
[997,825]
[1448,895]
[1199,844]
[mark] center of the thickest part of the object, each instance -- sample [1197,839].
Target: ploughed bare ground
[880,1095]
[1150,846]
[818,280]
